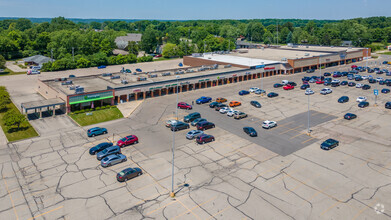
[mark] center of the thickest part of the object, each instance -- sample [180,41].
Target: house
[37,60]
[122,41]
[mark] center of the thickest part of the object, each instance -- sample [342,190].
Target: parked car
[213,104]
[108,151]
[240,115]
[205,125]
[256,104]
[130,139]
[334,84]
[194,123]
[112,160]
[220,106]
[272,94]
[319,82]
[309,91]
[329,144]
[385,91]
[363,104]
[351,84]
[343,99]
[184,105]
[269,124]
[92,132]
[138,70]
[349,116]
[203,100]
[180,126]
[101,67]
[221,100]
[250,131]
[326,91]
[310,70]
[361,99]
[253,89]
[312,80]
[231,112]
[292,83]
[191,117]
[359,85]
[225,110]
[277,85]
[244,92]
[304,86]
[234,103]
[388,105]
[260,91]
[170,122]
[71,76]
[193,134]
[366,87]
[128,173]
[326,74]
[204,138]
[335,81]
[344,83]
[98,148]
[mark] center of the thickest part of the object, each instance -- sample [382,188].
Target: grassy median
[13,134]
[8,72]
[97,116]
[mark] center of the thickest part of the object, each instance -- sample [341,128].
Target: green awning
[89,100]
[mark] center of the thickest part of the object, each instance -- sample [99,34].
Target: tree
[2,62]
[149,39]
[268,38]
[170,50]
[289,37]
[12,118]
[4,98]
[83,63]
[255,31]
[132,47]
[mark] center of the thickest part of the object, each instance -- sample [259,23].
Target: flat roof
[42,103]
[326,49]
[98,82]
[239,60]
[279,55]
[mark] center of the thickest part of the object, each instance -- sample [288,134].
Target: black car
[329,144]
[272,94]
[343,99]
[363,104]
[179,126]
[128,173]
[388,105]
[310,70]
[292,83]
[382,82]
[277,85]
[334,84]
[349,116]
[344,83]
[358,78]
[304,86]
[255,104]
[205,125]
[344,73]
[213,104]
[366,87]
[326,74]
[327,83]
[100,147]
[371,80]
[250,131]
[220,106]
[351,84]
[385,91]
[305,79]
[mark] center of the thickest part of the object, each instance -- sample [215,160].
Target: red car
[204,138]
[131,139]
[354,66]
[288,87]
[184,105]
[320,82]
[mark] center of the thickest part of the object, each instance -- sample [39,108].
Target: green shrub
[103,107]
[97,108]
[76,112]
[82,111]
[108,106]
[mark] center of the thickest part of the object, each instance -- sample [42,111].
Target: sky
[196,9]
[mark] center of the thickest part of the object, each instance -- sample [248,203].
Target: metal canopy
[42,103]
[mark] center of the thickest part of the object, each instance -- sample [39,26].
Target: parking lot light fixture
[172,194]
[309,131]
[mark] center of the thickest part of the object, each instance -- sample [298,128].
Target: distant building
[37,60]
[389,47]
[118,52]
[122,41]
[346,43]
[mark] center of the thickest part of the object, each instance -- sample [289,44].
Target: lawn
[8,72]
[386,53]
[25,131]
[97,116]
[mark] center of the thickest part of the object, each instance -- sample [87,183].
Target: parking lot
[281,174]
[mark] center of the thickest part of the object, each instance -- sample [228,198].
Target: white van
[36,67]
[284,82]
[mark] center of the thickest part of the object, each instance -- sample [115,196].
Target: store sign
[87,97]
[269,68]
[136,90]
[201,80]
[259,66]
[234,75]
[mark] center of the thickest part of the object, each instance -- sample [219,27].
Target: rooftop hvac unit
[124,81]
[79,90]
[306,54]
[115,77]
[283,59]
[166,74]
[107,74]
[67,82]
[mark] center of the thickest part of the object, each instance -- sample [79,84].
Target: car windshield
[105,159]
[104,151]
[121,173]
[123,139]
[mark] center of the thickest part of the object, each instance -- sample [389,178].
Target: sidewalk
[127,108]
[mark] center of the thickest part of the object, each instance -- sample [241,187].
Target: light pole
[320,68]
[309,131]
[367,60]
[172,194]
[262,63]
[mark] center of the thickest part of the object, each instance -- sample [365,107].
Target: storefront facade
[90,100]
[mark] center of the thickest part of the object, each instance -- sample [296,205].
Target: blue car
[138,70]
[108,151]
[100,147]
[101,67]
[203,100]
[92,132]
[244,92]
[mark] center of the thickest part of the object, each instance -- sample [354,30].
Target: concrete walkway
[127,108]
[10,65]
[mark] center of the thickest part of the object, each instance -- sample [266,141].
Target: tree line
[82,44]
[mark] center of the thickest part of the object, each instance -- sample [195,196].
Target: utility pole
[309,131]
[277,32]
[172,194]
[229,45]
[73,54]
[51,51]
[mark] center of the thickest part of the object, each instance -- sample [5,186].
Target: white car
[269,124]
[378,79]
[326,91]
[364,77]
[171,122]
[335,81]
[359,85]
[232,112]
[361,99]
[225,110]
[309,91]
[253,89]
[260,91]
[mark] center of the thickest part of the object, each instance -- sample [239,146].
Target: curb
[134,109]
